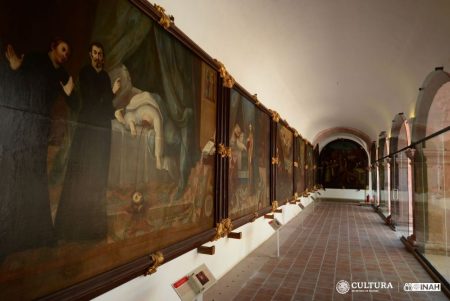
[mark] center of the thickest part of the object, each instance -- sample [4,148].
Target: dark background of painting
[343,165]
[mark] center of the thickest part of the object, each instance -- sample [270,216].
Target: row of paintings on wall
[119,138]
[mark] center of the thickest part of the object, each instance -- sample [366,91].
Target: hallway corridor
[326,243]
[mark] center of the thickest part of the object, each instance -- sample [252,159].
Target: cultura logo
[372,285]
[342,287]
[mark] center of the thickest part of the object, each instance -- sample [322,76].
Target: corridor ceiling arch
[326,136]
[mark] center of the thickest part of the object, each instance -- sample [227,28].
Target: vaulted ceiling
[324,64]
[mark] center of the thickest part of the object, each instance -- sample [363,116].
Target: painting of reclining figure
[285,166]
[249,172]
[107,134]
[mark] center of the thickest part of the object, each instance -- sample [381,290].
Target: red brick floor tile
[305,290]
[336,241]
[242,298]
[262,297]
[286,290]
[322,297]
[302,297]
[361,296]
[326,290]
[346,297]
[400,297]
[281,297]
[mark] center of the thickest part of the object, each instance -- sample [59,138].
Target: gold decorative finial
[227,226]
[158,259]
[274,206]
[219,231]
[223,228]
[223,151]
[275,116]
[255,98]
[306,193]
[295,164]
[165,20]
[228,80]
[275,161]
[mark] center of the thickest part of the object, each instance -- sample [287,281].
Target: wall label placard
[194,283]
[275,224]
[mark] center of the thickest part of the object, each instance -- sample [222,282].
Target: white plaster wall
[229,252]
[346,194]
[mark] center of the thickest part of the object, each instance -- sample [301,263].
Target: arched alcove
[397,123]
[383,174]
[432,84]
[432,171]
[400,176]
[344,164]
[373,173]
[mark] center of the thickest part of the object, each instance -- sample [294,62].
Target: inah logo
[342,287]
[422,287]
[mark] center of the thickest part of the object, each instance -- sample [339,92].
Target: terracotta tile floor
[325,243]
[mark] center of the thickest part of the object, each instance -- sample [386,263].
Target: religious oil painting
[107,129]
[299,165]
[249,171]
[285,166]
[302,165]
[344,165]
[309,166]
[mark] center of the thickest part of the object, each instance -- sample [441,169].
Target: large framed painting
[315,178]
[309,166]
[285,166]
[107,135]
[299,167]
[344,163]
[249,165]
